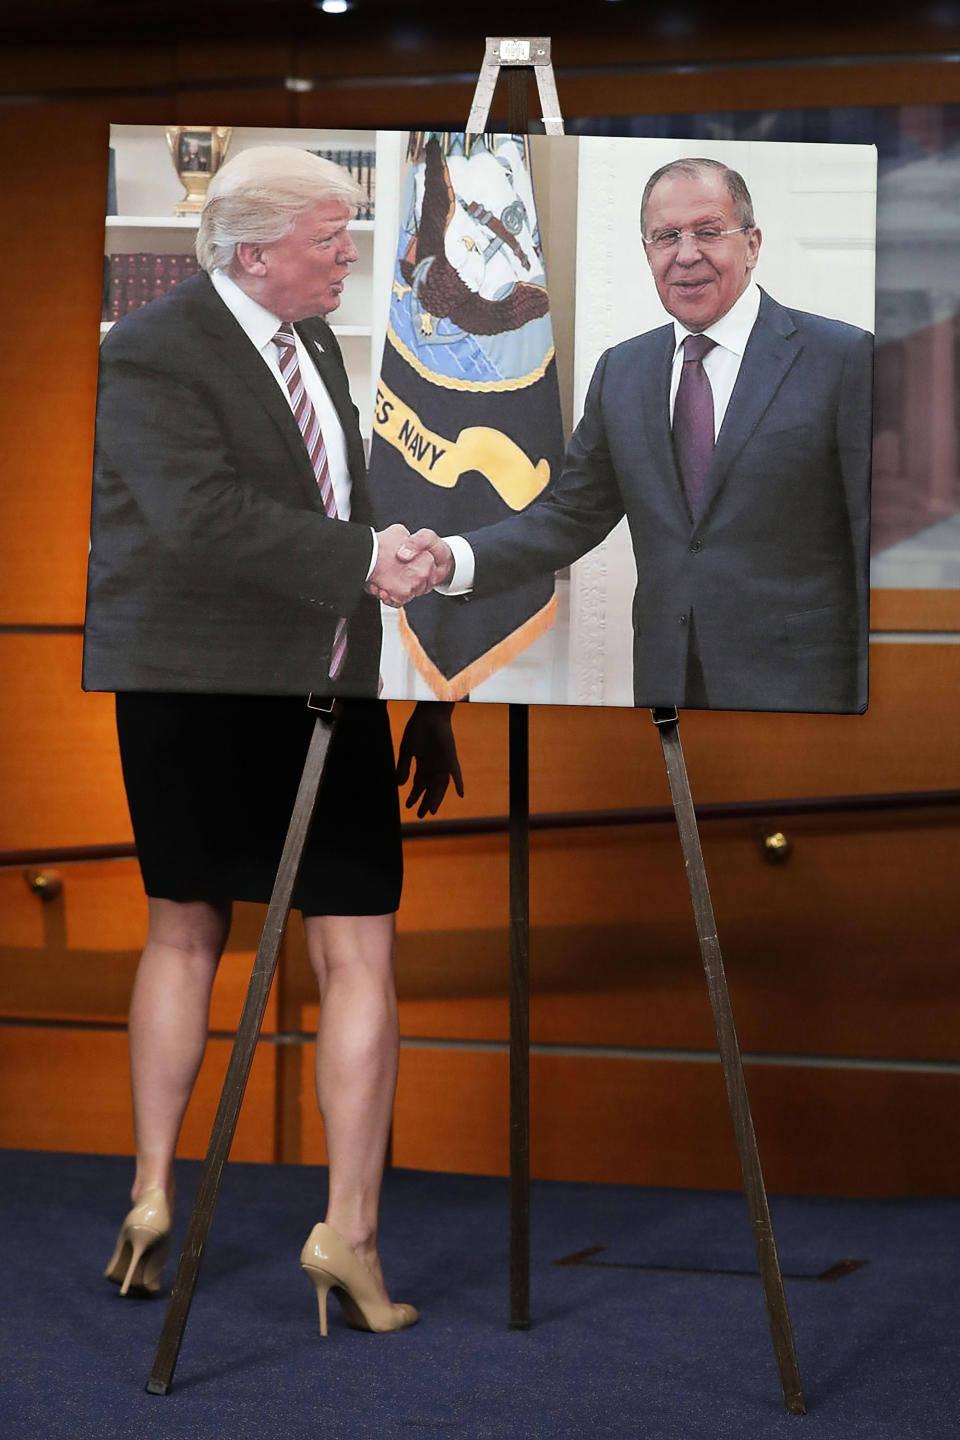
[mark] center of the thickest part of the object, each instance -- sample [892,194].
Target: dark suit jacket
[213,566]
[772,574]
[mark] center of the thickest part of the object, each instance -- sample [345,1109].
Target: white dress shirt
[260,325]
[722,365]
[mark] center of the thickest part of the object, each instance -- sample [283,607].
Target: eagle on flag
[467,424]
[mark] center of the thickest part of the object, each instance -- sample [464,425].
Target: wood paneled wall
[842,961]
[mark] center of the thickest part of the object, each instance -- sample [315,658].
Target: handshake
[408,565]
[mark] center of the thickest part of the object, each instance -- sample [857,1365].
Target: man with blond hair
[217,563]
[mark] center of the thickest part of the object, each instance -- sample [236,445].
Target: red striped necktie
[309,423]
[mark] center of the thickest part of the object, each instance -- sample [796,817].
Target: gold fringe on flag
[481,669]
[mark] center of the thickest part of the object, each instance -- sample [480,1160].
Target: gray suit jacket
[772,573]
[213,566]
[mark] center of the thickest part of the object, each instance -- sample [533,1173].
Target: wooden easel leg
[519,1018]
[518,56]
[781,1330]
[518,116]
[241,1058]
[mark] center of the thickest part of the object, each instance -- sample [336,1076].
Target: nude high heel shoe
[141,1249]
[332,1265]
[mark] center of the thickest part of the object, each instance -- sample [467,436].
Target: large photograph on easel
[617,393]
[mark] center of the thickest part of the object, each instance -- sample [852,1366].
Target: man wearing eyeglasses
[736,440]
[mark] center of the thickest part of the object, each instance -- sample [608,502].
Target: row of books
[132,280]
[362,165]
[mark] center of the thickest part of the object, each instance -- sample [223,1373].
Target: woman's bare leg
[169,1012]
[358,1042]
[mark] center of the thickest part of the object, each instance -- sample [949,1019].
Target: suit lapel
[237,355]
[321,343]
[771,350]
[655,411]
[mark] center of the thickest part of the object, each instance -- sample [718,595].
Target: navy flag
[467,427]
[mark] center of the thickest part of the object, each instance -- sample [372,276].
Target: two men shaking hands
[409,565]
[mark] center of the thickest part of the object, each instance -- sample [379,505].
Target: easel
[535,53]
[518,55]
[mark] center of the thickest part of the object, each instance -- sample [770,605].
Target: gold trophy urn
[197,152]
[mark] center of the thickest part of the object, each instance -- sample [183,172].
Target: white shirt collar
[258,324]
[732,330]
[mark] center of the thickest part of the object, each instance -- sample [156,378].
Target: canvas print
[563,420]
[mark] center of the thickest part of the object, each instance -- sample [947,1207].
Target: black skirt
[211,781]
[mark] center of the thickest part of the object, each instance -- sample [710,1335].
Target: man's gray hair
[258,196]
[693,169]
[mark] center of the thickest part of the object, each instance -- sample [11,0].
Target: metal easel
[518,56]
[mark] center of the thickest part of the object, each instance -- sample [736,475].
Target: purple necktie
[307,419]
[693,420]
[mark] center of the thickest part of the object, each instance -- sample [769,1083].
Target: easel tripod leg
[519,724]
[519,1018]
[732,1064]
[241,1058]
[519,56]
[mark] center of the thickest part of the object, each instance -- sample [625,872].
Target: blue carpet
[656,1337]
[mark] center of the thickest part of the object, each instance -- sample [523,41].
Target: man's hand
[428,740]
[408,565]
[423,541]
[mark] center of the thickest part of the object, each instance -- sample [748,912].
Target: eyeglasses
[703,237]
